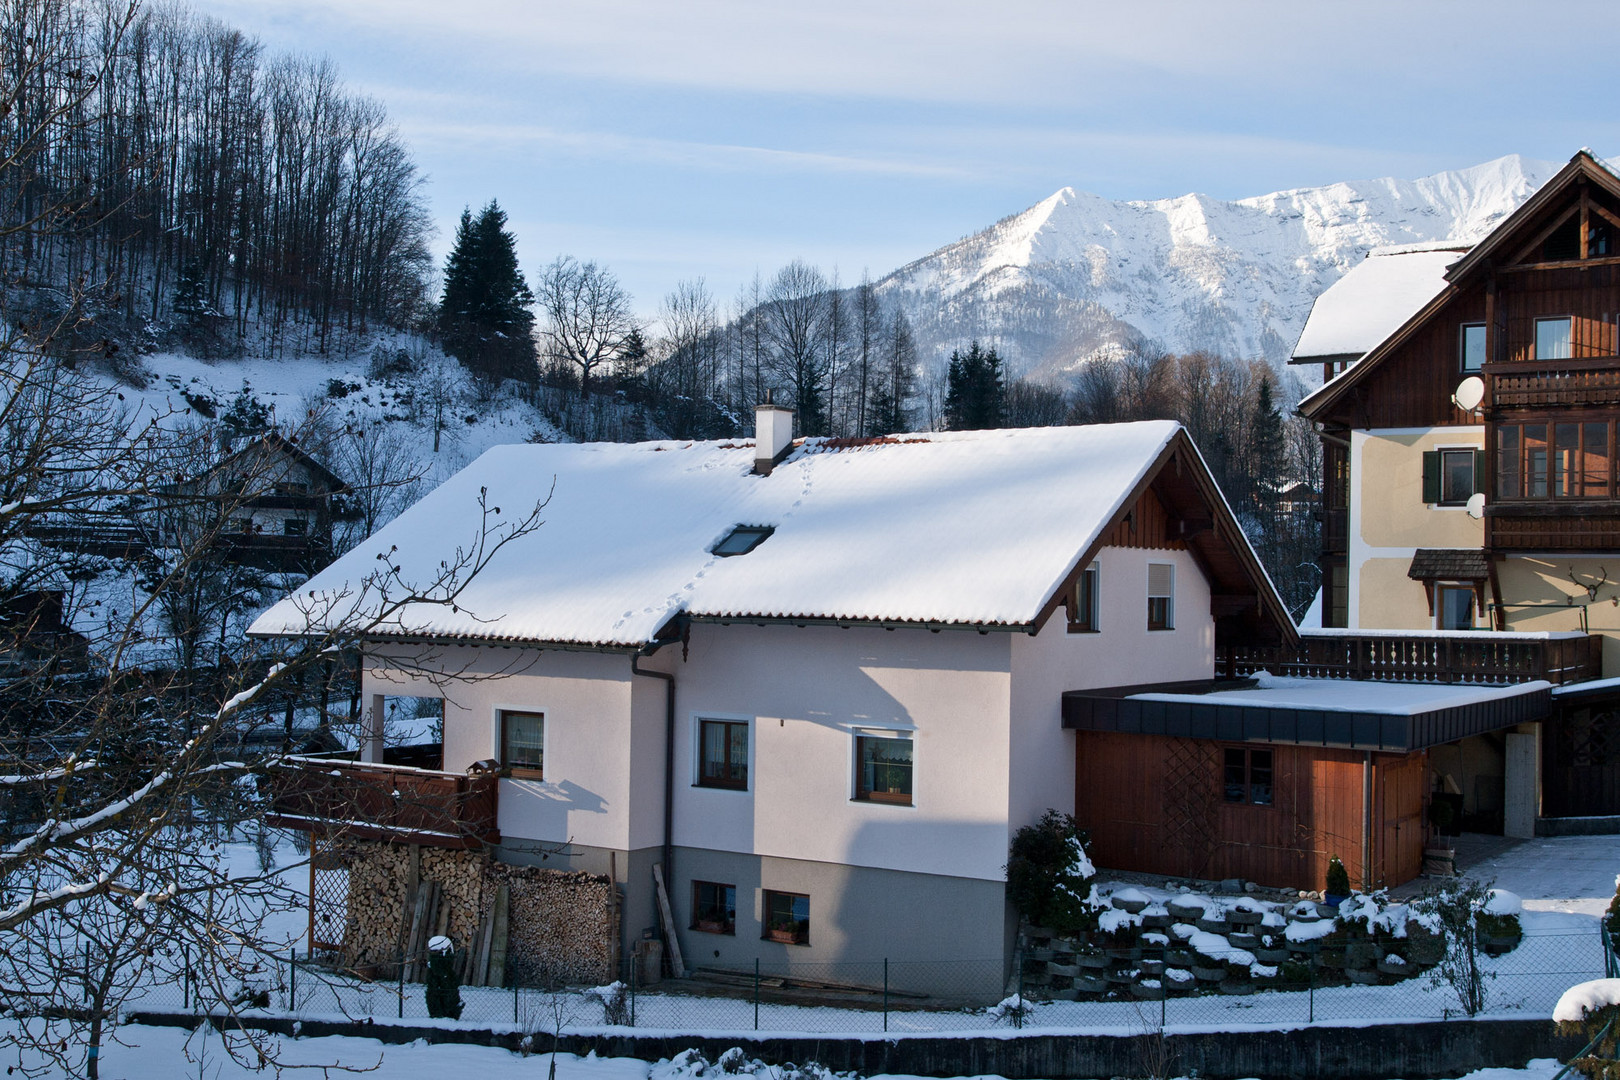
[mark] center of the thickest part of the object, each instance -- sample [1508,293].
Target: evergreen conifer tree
[1266,453]
[975,394]
[484,316]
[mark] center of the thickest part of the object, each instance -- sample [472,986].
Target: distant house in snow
[821,683]
[277,504]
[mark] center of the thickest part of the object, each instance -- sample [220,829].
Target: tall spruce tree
[484,316]
[975,394]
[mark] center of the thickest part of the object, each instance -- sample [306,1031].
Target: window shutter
[1479,471]
[1161,579]
[1431,476]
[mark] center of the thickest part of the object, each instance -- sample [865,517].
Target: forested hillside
[196,187]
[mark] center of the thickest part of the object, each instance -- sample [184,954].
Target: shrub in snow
[1454,912]
[1588,1010]
[443,984]
[1498,922]
[1050,876]
[1011,1010]
[615,1001]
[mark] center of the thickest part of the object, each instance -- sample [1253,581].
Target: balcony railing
[373,801]
[1426,656]
[1587,381]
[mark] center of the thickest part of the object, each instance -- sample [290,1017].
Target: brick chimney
[773,435]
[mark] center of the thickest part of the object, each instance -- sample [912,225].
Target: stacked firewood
[509,924]
[564,926]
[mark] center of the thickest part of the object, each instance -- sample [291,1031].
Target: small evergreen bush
[1049,875]
[1338,879]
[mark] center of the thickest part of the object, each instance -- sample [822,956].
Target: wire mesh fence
[922,997]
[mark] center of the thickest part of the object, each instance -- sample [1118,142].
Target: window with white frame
[1161,598]
[523,744]
[723,754]
[1471,347]
[1553,338]
[883,767]
[1086,599]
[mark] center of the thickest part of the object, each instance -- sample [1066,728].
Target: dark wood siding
[1154,805]
[1413,385]
[1148,525]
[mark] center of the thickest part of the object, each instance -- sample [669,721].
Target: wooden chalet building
[277,502]
[1470,480]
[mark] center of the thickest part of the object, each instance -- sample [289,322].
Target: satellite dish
[1470,392]
[1476,505]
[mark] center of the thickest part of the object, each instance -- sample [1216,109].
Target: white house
[820,682]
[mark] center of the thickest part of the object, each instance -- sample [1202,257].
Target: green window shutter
[1479,471]
[1431,476]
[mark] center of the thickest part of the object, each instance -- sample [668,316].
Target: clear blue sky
[682,138]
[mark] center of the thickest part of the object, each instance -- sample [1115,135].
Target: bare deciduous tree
[587,315]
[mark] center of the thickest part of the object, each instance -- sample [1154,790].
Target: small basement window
[741,540]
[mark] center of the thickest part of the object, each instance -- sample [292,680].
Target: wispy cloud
[644,150]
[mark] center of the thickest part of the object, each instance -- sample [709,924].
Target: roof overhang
[1209,710]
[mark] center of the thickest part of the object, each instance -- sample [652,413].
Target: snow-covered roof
[969,528]
[1351,695]
[1374,299]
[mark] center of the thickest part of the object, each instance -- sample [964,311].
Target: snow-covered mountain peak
[1078,273]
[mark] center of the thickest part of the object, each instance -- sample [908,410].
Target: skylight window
[742,540]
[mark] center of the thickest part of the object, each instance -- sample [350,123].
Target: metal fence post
[756,993]
[292,979]
[185,977]
[1310,982]
[885,993]
[1018,1014]
[635,977]
[515,1019]
[401,969]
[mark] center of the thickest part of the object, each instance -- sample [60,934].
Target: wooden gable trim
[1071,580]
[1525,253]
[1217,525]
[1581,167]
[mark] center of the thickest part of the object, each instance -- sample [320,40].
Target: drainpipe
[1366,820]
[669,764]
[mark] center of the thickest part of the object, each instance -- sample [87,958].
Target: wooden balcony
[372,801]
[1553,526]
[1462,656]
[1540,383]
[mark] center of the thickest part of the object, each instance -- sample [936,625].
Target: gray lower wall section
[947,937]
[943,936]
[1441,1048]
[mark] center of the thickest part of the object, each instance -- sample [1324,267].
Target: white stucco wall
[586,699]
[1124,652]
[983,711]
[805,692]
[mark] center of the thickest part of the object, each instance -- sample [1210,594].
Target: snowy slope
[1077,273]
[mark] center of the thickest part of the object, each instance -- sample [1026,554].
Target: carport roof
[1340,713]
